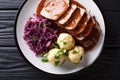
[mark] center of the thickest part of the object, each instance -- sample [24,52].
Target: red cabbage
[40,34]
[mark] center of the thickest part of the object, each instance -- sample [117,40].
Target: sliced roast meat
[90,41]
[89,26]
[75,19]
[83,24]
[66,16]
[53,9]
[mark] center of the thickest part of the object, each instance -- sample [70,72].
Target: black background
[14,67]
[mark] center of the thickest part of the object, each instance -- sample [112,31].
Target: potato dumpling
[75,55]
[56,56]
[65,41]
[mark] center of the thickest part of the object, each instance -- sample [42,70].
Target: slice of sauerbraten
[74,19]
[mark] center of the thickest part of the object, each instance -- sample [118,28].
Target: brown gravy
[39,7]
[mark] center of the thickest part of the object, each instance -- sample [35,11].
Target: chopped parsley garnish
[63,41]
[57,55]
[35,38]
[44,60]
[75,51]
[45,55]
[44,25]
[56,45]
[60,52]
[57,63]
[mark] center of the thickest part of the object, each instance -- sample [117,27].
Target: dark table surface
[14,67]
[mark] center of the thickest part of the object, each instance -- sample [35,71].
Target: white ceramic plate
[27,10]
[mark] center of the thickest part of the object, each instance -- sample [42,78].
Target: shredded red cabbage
[40,34]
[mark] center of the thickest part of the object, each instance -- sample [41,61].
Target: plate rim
[45,72]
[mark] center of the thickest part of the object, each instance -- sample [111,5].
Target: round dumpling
[65,41]
[75,55]
[56,56]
